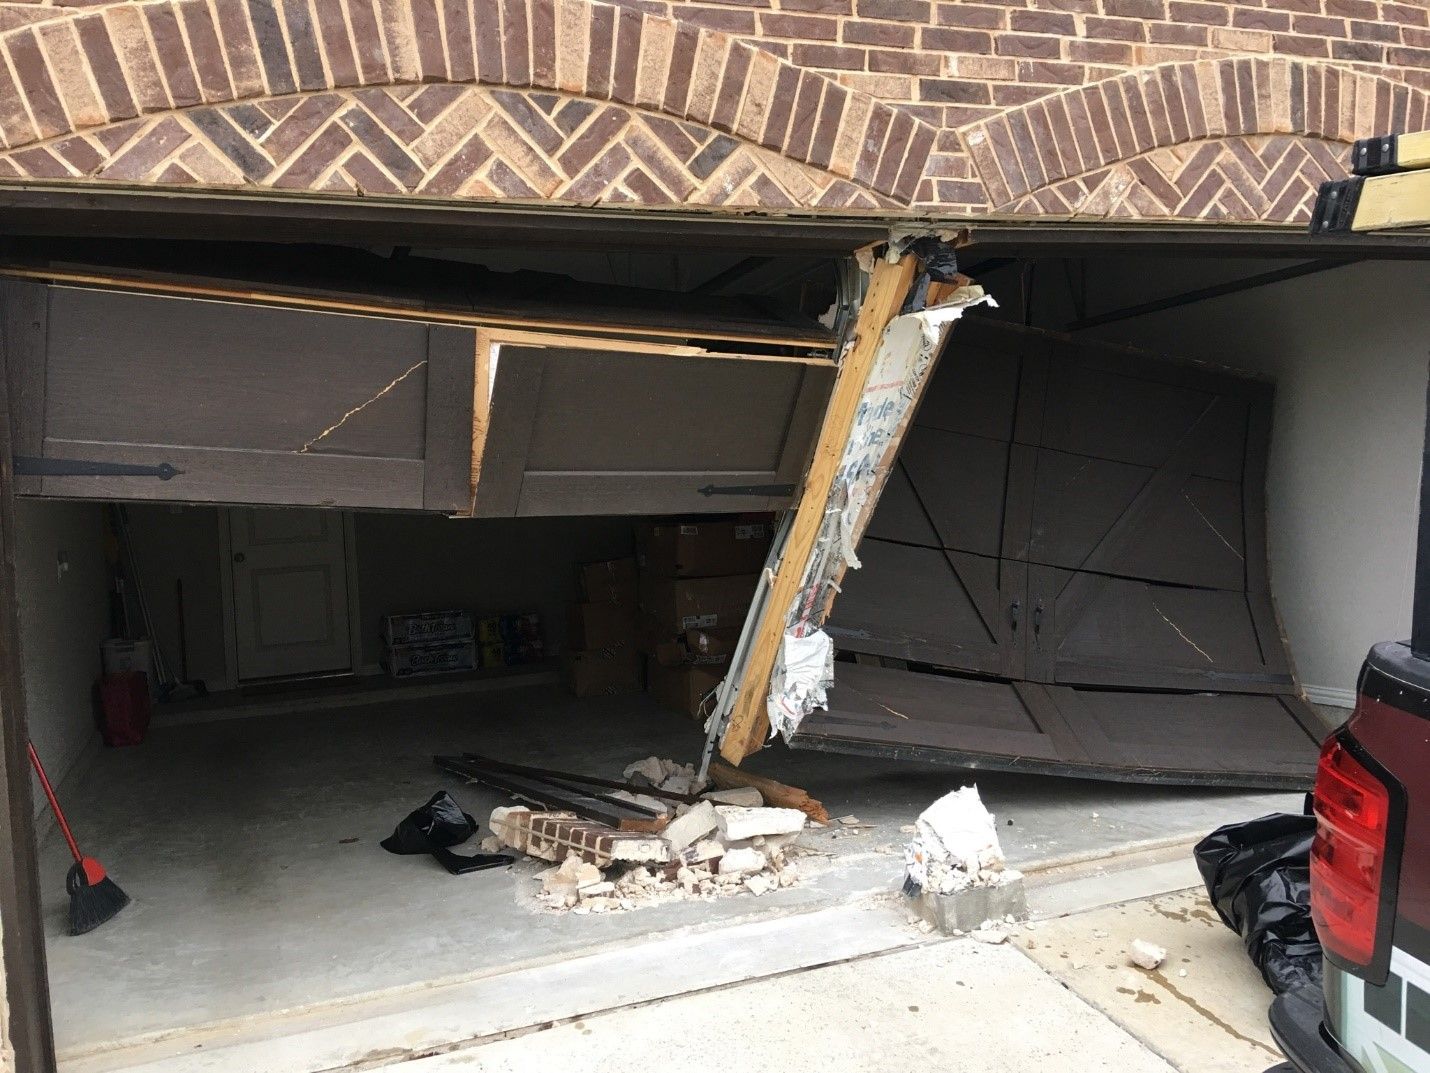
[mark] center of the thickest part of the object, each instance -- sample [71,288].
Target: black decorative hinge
[72,467]
[748,490]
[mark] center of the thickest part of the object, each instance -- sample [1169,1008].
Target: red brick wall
[1156,109]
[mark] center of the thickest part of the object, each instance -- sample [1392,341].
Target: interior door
[1068,567]
[290,592]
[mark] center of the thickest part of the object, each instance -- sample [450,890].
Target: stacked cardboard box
[428,642]
[696,583]
[510,640]
[604,656]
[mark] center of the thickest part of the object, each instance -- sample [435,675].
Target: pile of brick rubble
[727,843]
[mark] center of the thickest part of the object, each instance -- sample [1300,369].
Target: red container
[124,707]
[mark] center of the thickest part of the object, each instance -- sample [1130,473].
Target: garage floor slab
[250,849]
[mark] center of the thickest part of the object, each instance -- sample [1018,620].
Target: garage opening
[316,468]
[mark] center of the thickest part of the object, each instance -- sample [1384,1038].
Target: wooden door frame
[230,632]
[27,983]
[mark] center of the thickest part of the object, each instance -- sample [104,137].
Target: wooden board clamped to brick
[1391,153]
[1373,203]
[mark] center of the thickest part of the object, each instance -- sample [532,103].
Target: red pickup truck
[1370,876]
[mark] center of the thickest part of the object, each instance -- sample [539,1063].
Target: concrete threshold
[383,1028]
[413,1023]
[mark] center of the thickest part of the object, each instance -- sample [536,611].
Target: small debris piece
[990,934]
[738,823]
[694,825]
[740,861]
[569,877]
[908,829]
[491,844]
[650,768]
[758,884]
[596,890]
[744,796]
[1146,955]
[848,821]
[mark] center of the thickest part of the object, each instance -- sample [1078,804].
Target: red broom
[94,897]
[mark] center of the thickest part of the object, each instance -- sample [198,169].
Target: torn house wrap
[907,350]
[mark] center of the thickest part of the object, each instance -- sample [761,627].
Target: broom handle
[54,803]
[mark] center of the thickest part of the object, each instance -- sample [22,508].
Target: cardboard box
[706,648]
[681,689]
[598,674]
[609,582]
[599,625]
[703,549]
[427,627]
[509,640]
[410,661]
[669,607]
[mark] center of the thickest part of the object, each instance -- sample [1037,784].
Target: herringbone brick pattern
[1242,180]
[444,141]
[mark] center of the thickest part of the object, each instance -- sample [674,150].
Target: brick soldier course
[1156,109]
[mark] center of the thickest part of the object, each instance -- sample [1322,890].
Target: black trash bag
[433,828]
[1258,875]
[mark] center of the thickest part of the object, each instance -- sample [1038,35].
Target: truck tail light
[1348,855]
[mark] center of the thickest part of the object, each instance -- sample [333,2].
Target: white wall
[1349,350]
[63,619]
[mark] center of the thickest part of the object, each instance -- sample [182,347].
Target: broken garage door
[1067,573]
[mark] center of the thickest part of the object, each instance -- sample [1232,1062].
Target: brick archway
[99,73]
[1243,139]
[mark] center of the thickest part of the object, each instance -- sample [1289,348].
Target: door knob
[239,557]
[1014,610]
[1038,617]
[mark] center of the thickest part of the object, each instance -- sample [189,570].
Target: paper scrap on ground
[956,846]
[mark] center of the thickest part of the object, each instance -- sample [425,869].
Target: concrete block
[694,825]
[737,824]
[966,909]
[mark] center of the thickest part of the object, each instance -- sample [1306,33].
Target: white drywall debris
[1146,955]
[737,824]
[695,824]
[956,846]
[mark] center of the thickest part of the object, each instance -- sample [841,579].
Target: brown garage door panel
[1079,516]
[1123,632]
[1120,736]
[902,708]
[929,606]
[578,431]
[253,404]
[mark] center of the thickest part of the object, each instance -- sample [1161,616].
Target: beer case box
[445,657]
[682,689]
[702,549]
[603,625]
[705,648]
[612,581]
[670,606]
[427,627]
[604,673]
